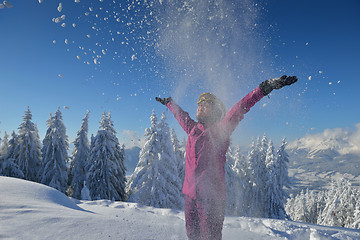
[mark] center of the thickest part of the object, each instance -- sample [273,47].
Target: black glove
[163,100]
[276,83]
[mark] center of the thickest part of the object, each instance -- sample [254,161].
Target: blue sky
[143,51]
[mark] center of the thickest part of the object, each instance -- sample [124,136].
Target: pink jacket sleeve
[236,113]
[181,116]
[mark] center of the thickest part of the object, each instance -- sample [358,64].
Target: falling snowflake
[7,4]
[59,8]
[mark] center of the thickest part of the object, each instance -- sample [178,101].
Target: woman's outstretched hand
[276,83]
[163,100]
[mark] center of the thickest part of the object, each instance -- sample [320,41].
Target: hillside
[34,211]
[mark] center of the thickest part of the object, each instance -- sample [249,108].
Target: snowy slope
[33,211]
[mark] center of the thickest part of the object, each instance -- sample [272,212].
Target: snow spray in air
[209,46]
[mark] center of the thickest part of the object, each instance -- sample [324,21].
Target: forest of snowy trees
[256,181]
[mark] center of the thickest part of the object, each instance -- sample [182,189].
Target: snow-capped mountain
[334,152]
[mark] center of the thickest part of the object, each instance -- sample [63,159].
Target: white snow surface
[30,210]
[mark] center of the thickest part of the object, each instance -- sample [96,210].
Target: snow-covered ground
[33,211]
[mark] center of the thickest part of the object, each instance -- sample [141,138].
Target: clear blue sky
[143,51]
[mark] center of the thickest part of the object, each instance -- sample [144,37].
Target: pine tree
[170,167]
[179,154]
[257,158]
[8,166]
[28,149]
[282,162]
[53,171]
[299,209]
[275,193]
[4,145]
[356,223]
[341,201]
[106,176]
[232,184]
[79,158]
[155,181]
[244,188]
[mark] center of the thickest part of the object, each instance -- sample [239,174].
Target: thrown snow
[30,210]
[60,7]
[7,4]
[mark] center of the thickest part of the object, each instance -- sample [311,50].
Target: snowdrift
[33,211]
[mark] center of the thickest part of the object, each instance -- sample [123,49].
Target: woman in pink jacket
[208,141]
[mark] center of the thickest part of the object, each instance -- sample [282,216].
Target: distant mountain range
[332,150]
[317,159]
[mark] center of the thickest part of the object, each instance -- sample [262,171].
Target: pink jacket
[206,148]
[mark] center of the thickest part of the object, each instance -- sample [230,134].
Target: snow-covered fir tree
[298,207]
[244,189]
[306,206]
[274,196]
[179,154]
[106,177]
[8,166]
[28,149]
[4,144]
[340,208]
[356,223]
[53,171]
[79,158]
[155,181]
[257,165]
[232,184]
[336,206]
[282,159]
[170,168]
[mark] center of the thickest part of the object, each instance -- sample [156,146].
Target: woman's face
[204,111]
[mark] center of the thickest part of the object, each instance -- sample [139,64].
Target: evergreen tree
[257,158]
[155,181]
[79,158]
[282,163]
[170,167]
[274,190]
[4,145]
[340,208]
[244,188]
[28,149]
[106,176]
[179,154]
[8,166]
[53,171]
[356,223]
[299,209]
[232,184]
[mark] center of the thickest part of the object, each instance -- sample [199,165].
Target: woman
[208,141]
